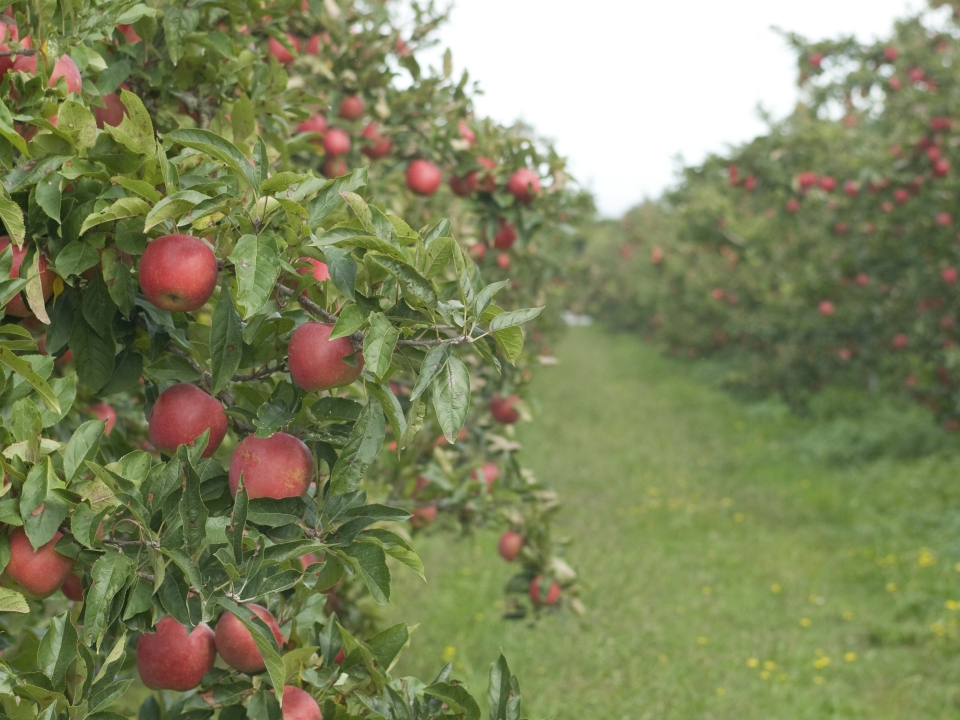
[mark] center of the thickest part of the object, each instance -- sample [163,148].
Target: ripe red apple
[941,168]
[235,643]
[900,341]
[524,184]
[335,167]
[477,251]
[178,273]
[503,411]
[891,54]
[280,52]
[464,186]
[949,275]
[807,180]
[750,183]
[112,113]
[423,516]
[506,235]
[341,656]
[851,188]
[553,594]
[845,353]
[466,133]
[170,659]
[490,471]
[733,173]
[8,33]
[106,414]
[717,293]
[828,184]
[39,574]
[299,705]
[816,59]
[901,195]
[64,68]
[315,124]
[944,219]
[317,269]
[129,34]
[793,205]
[352,107]
[279,466]
[486,182]
[503,261]
[316,362]
[826,307]
[380,146]
[313,45]
[18,306]
[336,142]
[423,177]
[181,414]
[510,545]
[72,588]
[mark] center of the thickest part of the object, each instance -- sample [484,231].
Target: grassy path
[726,578]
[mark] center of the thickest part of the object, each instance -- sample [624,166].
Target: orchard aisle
[727,578]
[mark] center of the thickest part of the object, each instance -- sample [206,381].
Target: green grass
[705,541]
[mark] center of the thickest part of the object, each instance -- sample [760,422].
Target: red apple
[335,167]
[826,307]
[112,113]
[380,146]
[949,275]
[900,341]
[828,184]
[503,261]
[18,306]
[901,195]
[64,68]
[313,45]
[486,182]
[490,471]
[464,186]
[750,183]
[106,414]
[941,168]
[280,52]
[423,177]
[170,659]
[181,414]
[336,142]
[477,251]
[279,466]
[235,643]
[352,107]
[553,594]
[315,124]
[891,54]
[72,588]
[299,705]
[793,205]
[510,545]
[129,34]
[317,363]
[506,235]
[466,133]
[503,411]
[178,273]
[851,188]
[317,269]
[38,573]
[524,184]
[423,516]
[944,219]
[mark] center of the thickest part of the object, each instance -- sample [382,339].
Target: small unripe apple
[235,644]
[380,146]
[299,705]
[524,184]
[315,124]
[170,659]
[503,410]
[826,307]
[490,471]
[181,414]
[280,52]
[38,573]
[106,414]
[317,269]
[112,113]
[279,466]
[553,594]
[17,305]
[317,363]
[423,177]
[178,273]
[423,516]
[510,545]
[72,588]
[506,236]
[336,142]
[352,107]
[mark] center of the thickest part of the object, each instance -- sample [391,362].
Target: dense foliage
[825,251]
[235,377]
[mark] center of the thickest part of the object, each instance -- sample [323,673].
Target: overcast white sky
[625,86]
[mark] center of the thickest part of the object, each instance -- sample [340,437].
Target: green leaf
[94,356]
[42,511]
[451,397]
[456,697]
[398,548]
[485,296]
[9,133]
[366,440]
[139,187]
[265,641]
[48,195]
[433,363]
[173,207]
[75,258]
[412,281]
[12,601]
[58,648]
[82,446]
[415,418]
[328,199]
[226,341]
[135,131]
[111,572]
[215,146]
[122,208]
[379,343]
[281,181]
[503,693]
[514,318]
[371,563]
[238,521]
[510,341]
[77,122]
[360,209]
[193,512]
[391,407]
[242,119]
[343,270]
[387,644]
[12,218]
[178,23]
[258,266]
[25,370]
[438,255]
[350,320]
[98,307]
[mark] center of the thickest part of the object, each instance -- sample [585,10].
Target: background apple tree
[251,342]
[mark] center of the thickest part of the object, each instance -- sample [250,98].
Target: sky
[625,87]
